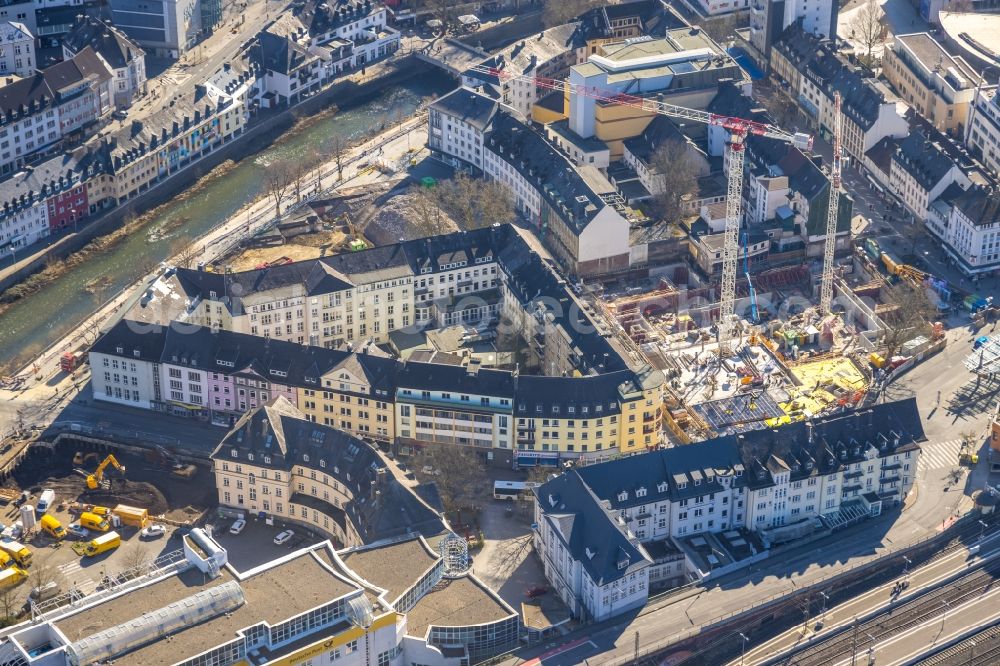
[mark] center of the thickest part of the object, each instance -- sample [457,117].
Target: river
[34,323]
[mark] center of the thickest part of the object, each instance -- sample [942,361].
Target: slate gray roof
[279,437]
[590,532]
[467,105]
[110,42]
[981,204]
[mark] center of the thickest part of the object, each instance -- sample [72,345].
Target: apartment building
[769,18]
[969,226]
[814,71]
[17,50]
[124,57]
[458,123]
[546,55]
[363,24]
[38,112]
[772,483]
[640,151]
[938,85]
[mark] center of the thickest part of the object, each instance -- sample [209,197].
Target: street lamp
[906,568]
[743,652]
[822,612]
[982,531]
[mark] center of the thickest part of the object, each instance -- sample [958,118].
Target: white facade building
[17,50]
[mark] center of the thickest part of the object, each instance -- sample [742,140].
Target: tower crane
[826,284]
[739,129]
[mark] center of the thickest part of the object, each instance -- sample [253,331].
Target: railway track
[894,619]
[982,649]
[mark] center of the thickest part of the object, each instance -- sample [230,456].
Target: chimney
[810,432]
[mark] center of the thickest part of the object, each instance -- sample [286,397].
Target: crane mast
[826,285]
[731,244]
[739,129]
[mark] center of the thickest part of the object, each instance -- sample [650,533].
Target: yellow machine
[96,480]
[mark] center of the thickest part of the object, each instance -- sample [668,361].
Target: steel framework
[826,285]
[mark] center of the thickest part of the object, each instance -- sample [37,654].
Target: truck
[103,544]
[132,516]
[12,576]
[53,527]
[70,361]
[45,501]
[17,551]
[92,521]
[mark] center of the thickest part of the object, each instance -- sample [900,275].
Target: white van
[45,500]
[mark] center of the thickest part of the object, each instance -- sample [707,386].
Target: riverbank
[32,325]
[350,92]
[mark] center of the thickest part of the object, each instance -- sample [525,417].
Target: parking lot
[55,561]
[255,544]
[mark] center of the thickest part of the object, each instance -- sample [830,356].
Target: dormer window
[119,349]
[641,492]
[250,457]
[135,352]
[622,496]
[682,485]
[234,453]
[322,463]
[623,563]
[697,482]
[305,457]
[267,460]
[661,487]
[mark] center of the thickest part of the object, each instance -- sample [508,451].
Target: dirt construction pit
[146,483]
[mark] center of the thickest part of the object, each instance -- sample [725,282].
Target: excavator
[97,480]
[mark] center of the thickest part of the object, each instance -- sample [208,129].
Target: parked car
[283,537]
[78,530]
[237,526]
[152,532]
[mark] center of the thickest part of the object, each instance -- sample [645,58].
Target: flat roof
[458,602]
[272,596]
[930,53]
[394,568]
[975,33]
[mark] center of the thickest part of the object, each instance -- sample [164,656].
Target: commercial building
[125,58]
[983,137]
[17,50]
[596,525]
[394,603]
[277,462]
[165,29]
[938,85]
[685,67]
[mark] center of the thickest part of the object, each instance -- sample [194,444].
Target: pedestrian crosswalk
[940,455]
[76,576]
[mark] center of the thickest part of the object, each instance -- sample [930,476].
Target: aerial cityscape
[541,332]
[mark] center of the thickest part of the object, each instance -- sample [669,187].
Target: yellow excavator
[97,480]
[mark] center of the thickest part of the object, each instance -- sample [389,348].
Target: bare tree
[677,173]
[458,473]
[426,209]
[10,605]
[557,12]
[909,314]
[912,232]
[722,28]
[443,10]
[135,556]
[338,149]
[511,341]
[43,572]
[868,27]
[279,179]
[474,202]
